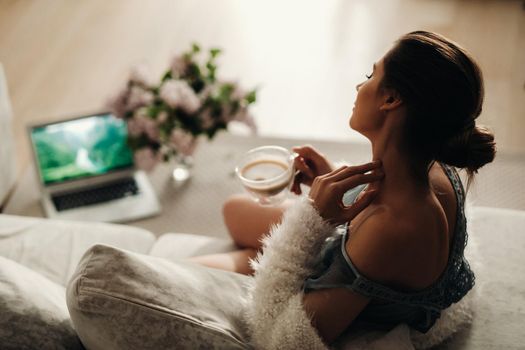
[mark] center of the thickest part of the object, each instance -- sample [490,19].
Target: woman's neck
[401,178]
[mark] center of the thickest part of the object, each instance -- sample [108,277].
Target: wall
[7,151]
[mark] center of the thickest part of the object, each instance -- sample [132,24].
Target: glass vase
[182,170]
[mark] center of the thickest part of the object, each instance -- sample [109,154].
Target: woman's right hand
[308,164]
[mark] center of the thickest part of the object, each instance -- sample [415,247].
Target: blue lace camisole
[389,306]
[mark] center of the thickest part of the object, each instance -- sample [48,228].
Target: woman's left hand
[327,191]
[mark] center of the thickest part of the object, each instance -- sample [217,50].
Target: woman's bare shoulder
[387,247]
[374,243]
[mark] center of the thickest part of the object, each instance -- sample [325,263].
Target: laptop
[86,171]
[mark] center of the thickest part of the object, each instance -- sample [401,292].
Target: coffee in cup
[266,173]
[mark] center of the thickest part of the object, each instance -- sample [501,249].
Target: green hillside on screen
[79,148]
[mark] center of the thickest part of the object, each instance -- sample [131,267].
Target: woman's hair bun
[469,150]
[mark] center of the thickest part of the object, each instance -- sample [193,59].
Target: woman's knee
[232,207]
[247,221]
[235,211]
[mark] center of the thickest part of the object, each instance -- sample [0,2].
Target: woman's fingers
[327,191]
[309,152]
[300,164]
[351,211]
[314,159]
[296,185]
[333,174]
[348,171]
[360,179]
[345,177]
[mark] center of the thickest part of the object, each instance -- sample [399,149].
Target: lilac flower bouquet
[165,119]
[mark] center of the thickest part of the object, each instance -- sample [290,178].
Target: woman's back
[400,291]
[423,225]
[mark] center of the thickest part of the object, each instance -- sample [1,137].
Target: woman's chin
[356,128]
[351,123]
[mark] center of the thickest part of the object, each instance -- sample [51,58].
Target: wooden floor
[65,57]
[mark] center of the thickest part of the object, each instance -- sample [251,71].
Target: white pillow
[177,246]
[33,312]
[123,300]
[53,247]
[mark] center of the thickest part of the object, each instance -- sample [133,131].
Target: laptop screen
[80,148]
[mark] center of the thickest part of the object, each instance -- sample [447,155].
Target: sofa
[39,257]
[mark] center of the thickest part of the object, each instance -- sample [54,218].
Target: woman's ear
[391,100]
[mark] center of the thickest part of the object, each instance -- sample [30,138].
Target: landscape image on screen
[81,147]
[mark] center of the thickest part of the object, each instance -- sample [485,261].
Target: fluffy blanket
[275,316]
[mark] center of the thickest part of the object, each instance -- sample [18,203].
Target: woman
[400,257]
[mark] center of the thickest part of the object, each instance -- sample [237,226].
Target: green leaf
[194,71]
[235,107]
[215,52]
[139,142]
[164,132]
[225,92]
[166,76]
[195,48]
[152,111]
[212,68]
[251,97]
[197,85]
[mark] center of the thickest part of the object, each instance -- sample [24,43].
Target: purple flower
[157,112]
[238,93]
[179,66]
[151,130]
[243,115]
[183,142]
[207,120]
[178,94]
[226,113]
[138,97]
[134,127]
[117,104]
[207,91]
[128,100]
[140,123]
[250,122]
[162,117]
[145,158]
[140,74]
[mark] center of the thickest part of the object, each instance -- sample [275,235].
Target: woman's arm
[279,315]
[275,313]
[333,310]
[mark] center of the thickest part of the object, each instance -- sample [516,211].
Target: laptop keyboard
[95,195]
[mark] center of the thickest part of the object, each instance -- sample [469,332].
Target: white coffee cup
[266,173]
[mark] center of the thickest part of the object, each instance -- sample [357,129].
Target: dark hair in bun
[442,88]
[470,149]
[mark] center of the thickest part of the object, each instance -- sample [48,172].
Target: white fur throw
[274,311]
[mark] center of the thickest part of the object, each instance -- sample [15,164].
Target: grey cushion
[33,312]
[123,300]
